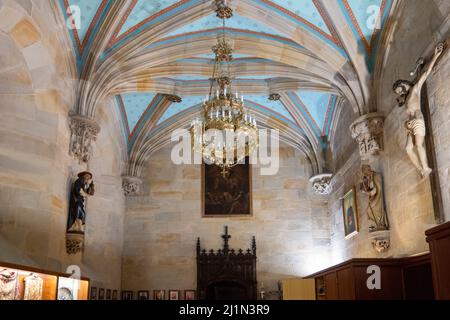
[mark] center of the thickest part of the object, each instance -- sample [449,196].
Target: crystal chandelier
[223,111]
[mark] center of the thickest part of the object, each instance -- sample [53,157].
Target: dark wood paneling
[418,282]
[346,287]
[331,286]
[439,241]
[391,283]
[348,280]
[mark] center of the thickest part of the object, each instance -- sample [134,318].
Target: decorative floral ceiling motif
[237,22]
[134,106]
[366,18]
[317,108]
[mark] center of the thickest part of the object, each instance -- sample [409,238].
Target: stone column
[368,132]
[132,186]
[321,183]
[84,130]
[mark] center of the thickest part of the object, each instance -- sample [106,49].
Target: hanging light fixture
[223,111]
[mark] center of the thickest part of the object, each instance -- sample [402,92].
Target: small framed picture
[174,295]
[143,295]
[93,293]
[159,295]
[114,295]
[108,294]
[350,213]
[190,295]
[101,294]
[127,295]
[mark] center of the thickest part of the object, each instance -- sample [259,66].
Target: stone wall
[36,95]
[408,197]
[161,227]
[439,99]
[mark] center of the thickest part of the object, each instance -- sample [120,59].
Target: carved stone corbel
[74,243]
[321,184]
[84,130]
[368,132]
[380,240]
[132,186]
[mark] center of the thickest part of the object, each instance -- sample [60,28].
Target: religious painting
[101,294]
[143,295]
[159,295]
[127,295]
[93,295]
[350,213]
[114,295]
[226,193]
[108,294]
[174,295]
[189,295]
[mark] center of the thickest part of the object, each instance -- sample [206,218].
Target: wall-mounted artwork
[227,193]
[350,212]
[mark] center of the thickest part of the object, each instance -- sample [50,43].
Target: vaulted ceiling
[315,53]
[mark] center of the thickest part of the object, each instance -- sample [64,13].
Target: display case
[26,283]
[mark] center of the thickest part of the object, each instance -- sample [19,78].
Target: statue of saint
[372,185]
[409,96]
[82,188]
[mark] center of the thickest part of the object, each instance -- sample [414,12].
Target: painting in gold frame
[350,214]
[229,194]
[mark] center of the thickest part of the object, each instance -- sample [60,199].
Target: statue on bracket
[82,188]
[409,96]
[372,185]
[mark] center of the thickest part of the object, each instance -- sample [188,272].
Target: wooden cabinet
[439,240]
[299,289]
[348,280]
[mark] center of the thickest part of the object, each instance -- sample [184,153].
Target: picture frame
[174,295]
[143,295]
[127,295]
[101,294]
[108,294]
[93,294]
[350,214]
[114,295]
[190,295]
[159,295]
[227,196]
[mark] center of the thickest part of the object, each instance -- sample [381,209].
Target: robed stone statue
[82,188]
[372,185]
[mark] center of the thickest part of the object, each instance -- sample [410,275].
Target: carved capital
[74,243]
[368,132]
[174,98]
[83,131]
[321,184]
[131,186]
[381,240]
[274,97]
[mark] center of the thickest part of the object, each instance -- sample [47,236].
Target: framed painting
[174,295]
[159,295]
[143,295]
[190,295]
[227,193]
[114,295]
[101,294]
[127,295]
[350,214]
[93,293]
[108,294]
